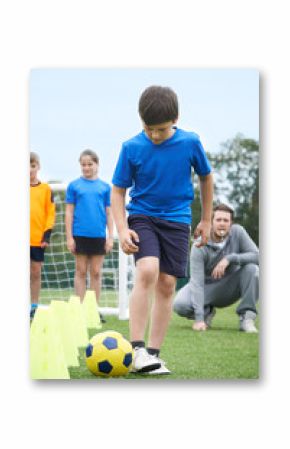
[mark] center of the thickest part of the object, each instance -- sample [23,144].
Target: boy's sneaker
[102,319]
[162,370]
[209,317]
[144,362]
[248,325]
[32,312]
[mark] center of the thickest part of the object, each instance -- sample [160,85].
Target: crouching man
[222,272]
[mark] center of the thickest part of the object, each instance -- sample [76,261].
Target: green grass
[222,352]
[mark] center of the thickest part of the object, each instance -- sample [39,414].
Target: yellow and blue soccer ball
[109,354]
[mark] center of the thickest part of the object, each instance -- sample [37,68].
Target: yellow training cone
[91,311]
[78,321]
[47,360]
[62,318]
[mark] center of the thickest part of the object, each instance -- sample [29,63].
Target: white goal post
[59,265]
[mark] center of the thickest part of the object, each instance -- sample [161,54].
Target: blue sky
[75,109]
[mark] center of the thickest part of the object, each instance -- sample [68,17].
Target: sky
[74,109]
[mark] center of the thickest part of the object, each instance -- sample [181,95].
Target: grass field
[220,353]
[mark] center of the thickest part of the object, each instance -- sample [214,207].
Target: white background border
[139,34]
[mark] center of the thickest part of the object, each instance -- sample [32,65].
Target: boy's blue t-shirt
[160,175]
[90,198]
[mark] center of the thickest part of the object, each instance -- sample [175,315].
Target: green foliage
[236,177]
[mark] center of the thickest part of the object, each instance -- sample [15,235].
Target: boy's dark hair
[224,208]
[34,158]
[157,105]
[90,153]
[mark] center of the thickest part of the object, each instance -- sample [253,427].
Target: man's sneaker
[248,325]
[144,362]
[162,370]
[208,318]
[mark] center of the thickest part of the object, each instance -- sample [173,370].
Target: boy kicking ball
[157,165]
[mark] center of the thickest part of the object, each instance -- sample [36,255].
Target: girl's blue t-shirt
[160,176]
[90,198]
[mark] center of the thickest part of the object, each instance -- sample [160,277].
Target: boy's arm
[110,227]
[206,194]
[197,284]
[126,235]
[69,212]
[50,218]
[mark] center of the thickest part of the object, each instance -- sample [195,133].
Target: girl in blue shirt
[88,215]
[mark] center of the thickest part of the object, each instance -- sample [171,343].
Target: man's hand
[219,270]
[199,326]
[44,245]
[109,244]
[202,230]
[128,240]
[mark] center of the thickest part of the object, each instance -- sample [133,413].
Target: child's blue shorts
[166,240]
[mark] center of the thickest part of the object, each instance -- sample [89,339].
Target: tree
[236,177]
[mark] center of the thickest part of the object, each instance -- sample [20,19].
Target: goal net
[59,267]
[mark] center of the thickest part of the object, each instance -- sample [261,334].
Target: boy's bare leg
[161,309]
[35,281]
[147,271]
[96,263]
[81,275]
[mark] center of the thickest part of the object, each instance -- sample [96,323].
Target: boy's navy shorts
[36,253]
[166,240]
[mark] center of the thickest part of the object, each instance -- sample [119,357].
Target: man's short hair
[34,158]
[224,208]
[157,105]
